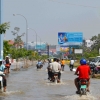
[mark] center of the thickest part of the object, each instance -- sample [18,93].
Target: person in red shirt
[84,72]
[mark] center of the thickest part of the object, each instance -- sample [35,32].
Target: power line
[74,4]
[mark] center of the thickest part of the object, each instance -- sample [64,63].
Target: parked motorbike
[92,67]
[97,70]
[83,86]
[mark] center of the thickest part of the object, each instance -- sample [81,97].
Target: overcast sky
[48,17]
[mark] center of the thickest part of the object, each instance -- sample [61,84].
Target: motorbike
[97,70]
[92,67]
[1,81]
[83,86]
[55,78]
[62,67]
[7,67]
[39,66]
[71,67]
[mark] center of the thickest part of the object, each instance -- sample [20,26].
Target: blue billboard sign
[42,47]
[70,38]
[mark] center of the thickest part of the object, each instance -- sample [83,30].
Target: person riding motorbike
[7,63]
[3,69]
[71,64]
[62,64]
[39,64]
[83,71]
[59,75]
[49,70]
[55,68]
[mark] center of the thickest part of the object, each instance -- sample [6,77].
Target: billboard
[78,51]
[40,47]
[70,38]
[64,49]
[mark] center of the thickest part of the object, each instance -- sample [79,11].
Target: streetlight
[26,29]
[36,35]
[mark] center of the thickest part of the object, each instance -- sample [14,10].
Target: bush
[77,63]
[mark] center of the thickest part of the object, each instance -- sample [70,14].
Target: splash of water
[83,97]
[12,92]
[55,83]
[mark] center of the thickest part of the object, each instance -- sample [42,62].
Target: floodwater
[32,84]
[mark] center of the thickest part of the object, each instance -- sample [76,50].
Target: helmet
[83,62]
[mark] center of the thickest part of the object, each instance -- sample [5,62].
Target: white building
[88,43]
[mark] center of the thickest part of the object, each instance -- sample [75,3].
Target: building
[19,45]
[88,43]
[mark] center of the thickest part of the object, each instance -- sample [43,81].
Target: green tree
[94,38]
[4,27]
[6,48]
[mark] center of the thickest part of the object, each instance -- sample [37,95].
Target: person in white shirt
[55,68]
[71,64]
[59,75]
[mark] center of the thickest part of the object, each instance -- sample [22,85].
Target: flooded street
[30,84]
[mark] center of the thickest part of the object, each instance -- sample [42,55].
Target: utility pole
[48,50]
[1,35]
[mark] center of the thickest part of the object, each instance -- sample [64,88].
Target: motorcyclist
[83,71]
[3,69]
[7,63]
[62,64]
[49,70]
[39,63]
[59,75]
[71,64]
[55,68]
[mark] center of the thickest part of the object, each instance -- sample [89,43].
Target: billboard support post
[48,50]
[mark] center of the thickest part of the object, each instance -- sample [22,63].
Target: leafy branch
[4,27]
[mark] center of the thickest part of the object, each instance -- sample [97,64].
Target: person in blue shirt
[2,73]
[39,64]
